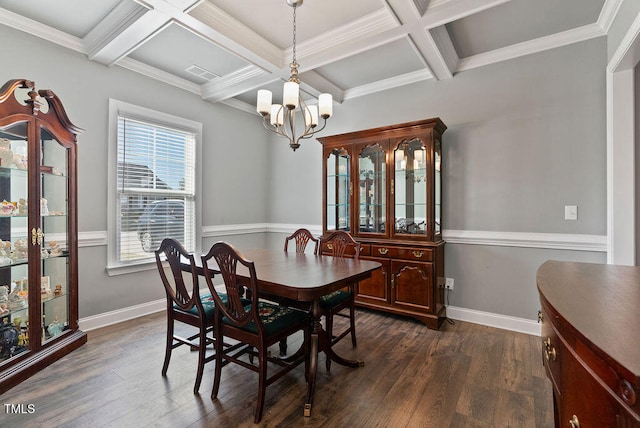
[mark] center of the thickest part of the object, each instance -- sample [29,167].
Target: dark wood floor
[464,375]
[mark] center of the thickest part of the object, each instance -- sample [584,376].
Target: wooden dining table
[306,278]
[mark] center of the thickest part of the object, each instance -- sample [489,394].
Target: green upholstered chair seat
[274,317]
[334,299]
[208,304]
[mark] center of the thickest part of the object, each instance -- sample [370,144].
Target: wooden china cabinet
[384,186]
[38,232]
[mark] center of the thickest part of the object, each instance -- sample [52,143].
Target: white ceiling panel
[174,49]
[272,19]
[398,57]
[71,16]
[518,21]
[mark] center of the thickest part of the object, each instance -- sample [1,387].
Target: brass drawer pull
[575,423]
[418,254]
[330,246]
[549,350]
[383,250]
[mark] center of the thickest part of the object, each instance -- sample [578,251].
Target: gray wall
[235,154]
[525,138]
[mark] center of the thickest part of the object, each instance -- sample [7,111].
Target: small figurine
[15,300]
[44,210]
[6,154]
[4,294]
[24,288]
[6,207]
[20,161]
[5,253]
[3,309]
[19,250]
[58,290]
[54,249]
[55,328]
[22,206]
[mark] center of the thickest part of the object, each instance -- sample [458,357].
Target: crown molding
[120,18]
[386,84]
[37,29]
[157,74]
[444,11]
[235,83]
[552,41]
[608,14]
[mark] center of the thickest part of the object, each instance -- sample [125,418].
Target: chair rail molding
[554,241]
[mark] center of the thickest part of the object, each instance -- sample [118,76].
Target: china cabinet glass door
[338,191]
[14,239]
[372,208]
[410,188]
[54,236]
[437,227]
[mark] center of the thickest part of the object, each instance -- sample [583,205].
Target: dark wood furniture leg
[320,342]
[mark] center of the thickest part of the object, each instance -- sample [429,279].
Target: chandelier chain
[294,34]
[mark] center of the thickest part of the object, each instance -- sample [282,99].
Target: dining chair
[339,244]
[301,237]
[258,324]
[185,305]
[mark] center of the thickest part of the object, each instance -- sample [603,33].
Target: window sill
[124,269]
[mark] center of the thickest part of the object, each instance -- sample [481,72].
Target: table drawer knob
[575,423]
[330,246]
[418,254]
[383,250]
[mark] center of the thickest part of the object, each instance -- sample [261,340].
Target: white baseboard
[504,322]
[120,315]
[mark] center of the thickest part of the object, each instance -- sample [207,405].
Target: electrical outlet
[449,284]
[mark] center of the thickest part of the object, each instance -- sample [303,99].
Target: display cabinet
[384,186]
[589,342]
[38,232]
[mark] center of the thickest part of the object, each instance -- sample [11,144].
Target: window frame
[119,108]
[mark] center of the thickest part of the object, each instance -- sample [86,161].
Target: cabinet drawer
[404,253]
[552,352]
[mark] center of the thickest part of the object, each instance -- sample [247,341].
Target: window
[154,185]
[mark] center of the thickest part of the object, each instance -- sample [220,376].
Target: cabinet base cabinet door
[412,285]
[584,400]
[375,289]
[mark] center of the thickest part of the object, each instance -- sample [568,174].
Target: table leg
[320,342]
[313,355]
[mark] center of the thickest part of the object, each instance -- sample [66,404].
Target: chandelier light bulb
[290,95]
[264,101]
[325,105]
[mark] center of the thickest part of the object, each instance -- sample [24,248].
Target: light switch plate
[570,212]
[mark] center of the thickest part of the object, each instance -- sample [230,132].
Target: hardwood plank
[464,375]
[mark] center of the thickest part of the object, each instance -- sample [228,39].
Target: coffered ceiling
[224,50]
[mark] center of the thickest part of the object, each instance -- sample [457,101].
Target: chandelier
[281,118]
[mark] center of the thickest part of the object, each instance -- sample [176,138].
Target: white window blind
[155,188]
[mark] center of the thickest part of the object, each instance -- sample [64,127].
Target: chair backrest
[338,242]
[227,258]
[179,293]
[302,237]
